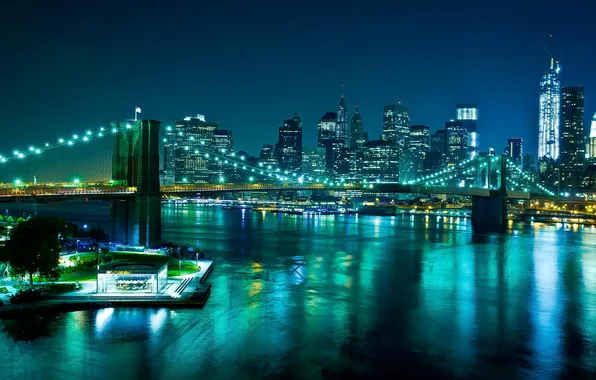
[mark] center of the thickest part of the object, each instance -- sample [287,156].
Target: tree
[34,248]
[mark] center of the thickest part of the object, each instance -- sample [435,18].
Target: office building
[289,145]
[467,115]
[396,124]
[456,142]
[313,162]
[348,165]
[343,126]
[515,150]
[224,145]
[169,156]
[357,139]
[549,112]
[194,137]
[412,163]
[591,146]
[572,145]
[380,161]
[327,128]
[267,157]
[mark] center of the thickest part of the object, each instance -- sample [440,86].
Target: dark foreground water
[340,298]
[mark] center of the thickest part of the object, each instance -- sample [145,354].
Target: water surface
[340,297]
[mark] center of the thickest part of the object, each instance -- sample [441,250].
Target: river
[337,297]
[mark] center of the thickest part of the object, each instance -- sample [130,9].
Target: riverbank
[58,306]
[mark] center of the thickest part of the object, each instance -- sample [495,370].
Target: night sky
[72,65]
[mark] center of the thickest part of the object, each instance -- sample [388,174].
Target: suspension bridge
[136,192]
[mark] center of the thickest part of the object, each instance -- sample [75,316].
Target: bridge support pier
[137,221]
[489,214]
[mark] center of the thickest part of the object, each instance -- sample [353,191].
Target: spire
[342,102]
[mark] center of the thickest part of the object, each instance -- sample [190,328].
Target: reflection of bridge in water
[135,190]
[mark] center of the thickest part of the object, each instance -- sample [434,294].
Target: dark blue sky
[70,65]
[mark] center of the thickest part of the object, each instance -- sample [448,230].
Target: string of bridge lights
[77,138]
[527,177]
[237,161]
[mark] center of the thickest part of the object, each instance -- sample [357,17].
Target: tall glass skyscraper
[549,112]
[467,115]
[573,134]
[357,131]
[343,127]
[592,141]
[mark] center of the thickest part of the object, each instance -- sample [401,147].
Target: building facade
[343,125]
[456,142]
[194,137]
[549,112]
[289,145]
[380,161]
[572,145]
[357,137]
[313,162]
[412,163]
[591,146]
[467,115]
[515,150]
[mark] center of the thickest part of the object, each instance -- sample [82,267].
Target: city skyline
[79,85]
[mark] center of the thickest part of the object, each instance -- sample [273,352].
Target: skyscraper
[267,156]
[343,128]
[289,145]
[467,115]
[592,140]
[396,124]
[169,156]
[549,112]
[357,131]
[380,161]
[194,136]
[456,142]
[326,128]
[415,153]
[515,150]
[573,146]
[313,162]
[223,142]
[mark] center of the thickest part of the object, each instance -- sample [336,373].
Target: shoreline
[8,312]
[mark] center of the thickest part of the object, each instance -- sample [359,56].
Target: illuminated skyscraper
[467,115]
[573,146]
[456,142]
[515,150]
[327,128]
[289,145]
[592,140]
[357,131]
[224,144]
[267,156]
[549,112]
[396,124]
[411,166]
[342,133]
[194,136]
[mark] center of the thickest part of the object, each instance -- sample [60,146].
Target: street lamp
[76,181]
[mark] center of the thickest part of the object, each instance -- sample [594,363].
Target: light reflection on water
[329,297]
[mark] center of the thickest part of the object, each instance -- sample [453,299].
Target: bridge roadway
[110,192]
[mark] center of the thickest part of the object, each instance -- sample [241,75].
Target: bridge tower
[135,163]
[489,213]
